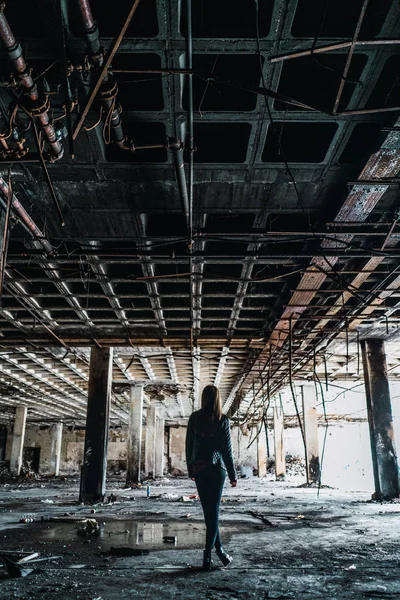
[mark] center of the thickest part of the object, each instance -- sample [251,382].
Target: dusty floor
[336,546]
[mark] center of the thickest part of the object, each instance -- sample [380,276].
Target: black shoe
[207,562]
[223,557]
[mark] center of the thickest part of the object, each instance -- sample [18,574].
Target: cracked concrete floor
[286,543]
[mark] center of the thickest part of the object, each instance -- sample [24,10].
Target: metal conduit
[177,154]
[38,105]
[109,89]
[25,218]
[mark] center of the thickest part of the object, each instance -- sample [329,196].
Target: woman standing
[208,457]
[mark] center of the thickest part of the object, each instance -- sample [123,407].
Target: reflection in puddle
[136,533]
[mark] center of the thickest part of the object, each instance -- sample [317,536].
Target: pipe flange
[174,144]
[39,107]
[52,157]
[92,35]
[14,52]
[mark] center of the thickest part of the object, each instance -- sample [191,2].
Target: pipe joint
[55,156]
[37,107]
[14,52]
[125,144]
[92,34]
[174,144]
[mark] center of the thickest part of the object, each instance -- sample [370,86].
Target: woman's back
[209,442]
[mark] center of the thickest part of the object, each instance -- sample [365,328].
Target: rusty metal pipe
[87,16]
[91,32]
[39,105]
[108,89]
[25,217]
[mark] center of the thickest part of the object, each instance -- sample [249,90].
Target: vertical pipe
[190,136]
[189,66]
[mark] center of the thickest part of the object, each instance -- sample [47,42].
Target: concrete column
[133,472]
[159,447]
[56,440]
[310,428]
[280,460]
[262,452]
[383,449]
[94,470]
[17,446]
[150,447]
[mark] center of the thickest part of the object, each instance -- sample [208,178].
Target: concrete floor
[339,545]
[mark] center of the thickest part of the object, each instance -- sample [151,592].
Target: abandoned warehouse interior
[193,193]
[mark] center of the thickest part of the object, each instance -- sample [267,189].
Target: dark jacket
[205,449]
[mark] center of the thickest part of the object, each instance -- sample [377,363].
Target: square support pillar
[56,441]
[279,427]
[17,446]
[262,451]
[380,420]
[133,472]
[150,447]
[94,470]
[310,427]
[159,447]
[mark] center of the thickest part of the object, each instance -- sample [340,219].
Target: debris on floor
[91,527]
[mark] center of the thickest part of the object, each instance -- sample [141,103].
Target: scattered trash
[44,559]
[27,519]
[170,539]
[91,527]
[76,566]
[93,511]
[47,501]
[14,570]
[351,568]
[186,498]
[300,517]
[28,557]
[185,516]
[126,551]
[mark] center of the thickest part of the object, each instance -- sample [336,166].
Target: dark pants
[209,485]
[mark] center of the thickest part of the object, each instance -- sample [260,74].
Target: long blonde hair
[211,402]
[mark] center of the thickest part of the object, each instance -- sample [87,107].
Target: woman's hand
[233,483]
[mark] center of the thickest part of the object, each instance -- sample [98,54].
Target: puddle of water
[134,533]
